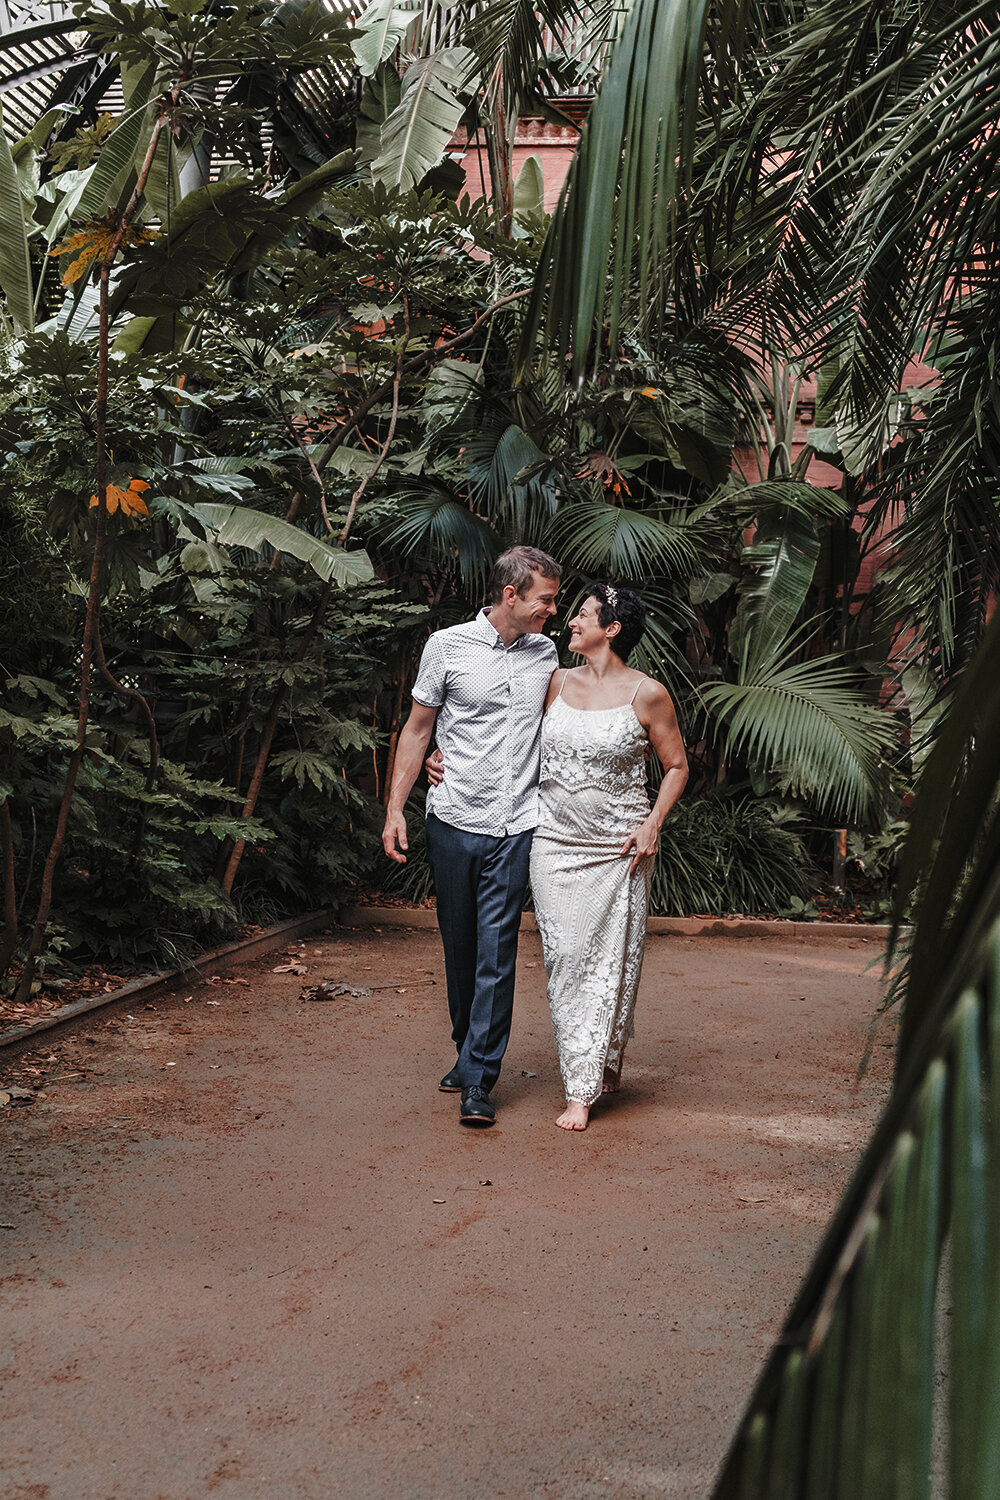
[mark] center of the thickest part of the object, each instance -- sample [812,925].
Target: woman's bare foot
[574,1117]
[612,1079]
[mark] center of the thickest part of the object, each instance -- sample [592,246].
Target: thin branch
[415,362]
[383,454]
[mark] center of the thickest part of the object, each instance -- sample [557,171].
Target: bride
[596,839]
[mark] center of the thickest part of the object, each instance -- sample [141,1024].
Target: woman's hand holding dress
[645,841]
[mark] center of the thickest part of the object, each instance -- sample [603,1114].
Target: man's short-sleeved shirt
[490,700]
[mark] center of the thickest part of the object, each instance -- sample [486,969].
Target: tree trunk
[8,943]
[92,652]
[267,739]
[499,155]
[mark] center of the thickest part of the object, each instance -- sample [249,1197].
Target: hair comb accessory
[611,595]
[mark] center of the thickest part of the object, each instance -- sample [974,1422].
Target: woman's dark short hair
[515,568]
[618,603]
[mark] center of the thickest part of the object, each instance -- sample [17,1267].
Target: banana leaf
[241,526]
[415,136]
[15,263]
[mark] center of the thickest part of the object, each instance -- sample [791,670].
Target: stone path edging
[142,989]
[733,927]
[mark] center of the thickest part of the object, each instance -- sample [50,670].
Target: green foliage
[904,1285]
[320,341]
[723,854]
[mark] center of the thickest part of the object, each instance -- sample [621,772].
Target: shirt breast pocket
[531,688]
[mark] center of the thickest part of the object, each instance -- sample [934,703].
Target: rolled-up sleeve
[429,688]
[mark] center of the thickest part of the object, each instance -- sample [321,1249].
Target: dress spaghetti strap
[562,684]
[636,693]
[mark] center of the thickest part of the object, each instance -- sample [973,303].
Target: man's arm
[411,747]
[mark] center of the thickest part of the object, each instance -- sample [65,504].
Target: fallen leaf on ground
[213,1002]
[331,990]
[290,969]
[526,1074]
[439,1200]
[4,1098]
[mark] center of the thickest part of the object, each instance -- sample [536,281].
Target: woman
[593,850]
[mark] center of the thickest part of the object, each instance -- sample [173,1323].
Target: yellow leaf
[96,240]
[138,485]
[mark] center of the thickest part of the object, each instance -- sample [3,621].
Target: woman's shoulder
[650,694]
[556,682]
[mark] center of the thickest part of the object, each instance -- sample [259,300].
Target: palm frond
[808,722]
[428,524]
[784,552]
[510,479]
[849,1392]
[621,189]
[617,541]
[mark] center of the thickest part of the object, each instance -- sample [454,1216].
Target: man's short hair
[516,567]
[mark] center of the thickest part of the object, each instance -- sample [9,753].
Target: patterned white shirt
[489,726]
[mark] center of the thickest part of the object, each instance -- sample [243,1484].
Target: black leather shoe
[477,1108]
[451,1083]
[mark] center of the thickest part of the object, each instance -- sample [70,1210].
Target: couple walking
[542,769]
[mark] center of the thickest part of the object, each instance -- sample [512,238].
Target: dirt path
[249,1252]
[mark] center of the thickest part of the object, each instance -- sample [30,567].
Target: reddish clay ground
[249,1252]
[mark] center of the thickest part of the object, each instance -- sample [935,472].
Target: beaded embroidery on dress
[591,912]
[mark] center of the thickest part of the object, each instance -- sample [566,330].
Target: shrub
[727,854]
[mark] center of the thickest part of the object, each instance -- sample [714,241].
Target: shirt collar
[488,632]
[491,635]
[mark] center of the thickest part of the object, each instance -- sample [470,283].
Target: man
[484,685]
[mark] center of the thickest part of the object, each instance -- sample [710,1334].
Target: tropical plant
[848,1403]
[765,172]
[723,854]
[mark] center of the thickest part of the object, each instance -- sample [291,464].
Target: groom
[484,684]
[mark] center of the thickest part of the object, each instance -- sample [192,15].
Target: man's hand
[434,766]
[394,833]
[645,841]
[411,747]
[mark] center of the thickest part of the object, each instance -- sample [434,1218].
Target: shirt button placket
[508,759]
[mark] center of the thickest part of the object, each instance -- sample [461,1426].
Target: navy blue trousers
[479,883]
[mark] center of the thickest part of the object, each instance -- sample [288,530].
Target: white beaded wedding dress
[591,912]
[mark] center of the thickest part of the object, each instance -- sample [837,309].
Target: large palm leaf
[617,541]
[809,722]
[428,524]
[15,264]
[784,553]
[645,109]
[846,1406]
